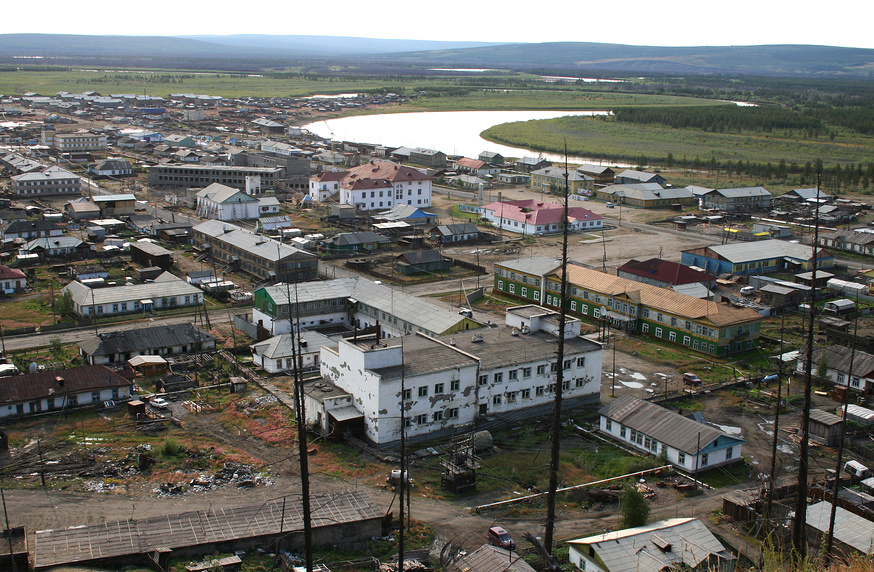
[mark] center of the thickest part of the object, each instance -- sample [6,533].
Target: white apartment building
[445,383]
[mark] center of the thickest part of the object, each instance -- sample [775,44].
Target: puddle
[638,376]
[632,384]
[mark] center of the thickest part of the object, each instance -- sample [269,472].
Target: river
[453,132]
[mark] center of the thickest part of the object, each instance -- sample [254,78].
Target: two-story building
[745,199]
[531,217]
[255,254]
[638,308]
[381,185]
[554,180]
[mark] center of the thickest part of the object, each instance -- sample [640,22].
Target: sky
[636,22]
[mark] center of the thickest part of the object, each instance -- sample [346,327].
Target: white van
[747,291]
[857,470]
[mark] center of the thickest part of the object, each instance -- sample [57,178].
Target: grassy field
[445,93]
[604,137]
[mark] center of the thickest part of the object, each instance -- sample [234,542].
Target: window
[483,379]
[454,385]
[513,374]
[538,391]
[537,295]
[512,288]
[581,362]
[511,397]
[524,291]
[421,419]
[573,305]
[567,364]
[408,393]
[686,340]
[854,381]
[644,313]
[526,394]
[581,381]
[438,388]
[526,372]
[452,413]
[499,377]
[608,425]
[705,459]
[729,453]
[438,416]
[681,458]
[644,328]
[672,336]
[541,369]
[423,391]
[565,384]
[659,317]
[658,332]
[496,400]
[622,431]
[585,310]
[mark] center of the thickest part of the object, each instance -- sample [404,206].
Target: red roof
[386,170]
[358,184]
[7,273]
[665,271]
[58,382]
[538,212]
[470,163]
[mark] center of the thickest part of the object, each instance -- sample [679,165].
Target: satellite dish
[603,311]
[33,367]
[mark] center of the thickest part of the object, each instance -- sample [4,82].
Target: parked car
[610,205]
[159,403]
[466,312]
[747,291]
[501,538]
[691,379]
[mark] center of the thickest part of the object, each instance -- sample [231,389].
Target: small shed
[839,307]
[859,414]
[825,427]
[136,408]
[148,365]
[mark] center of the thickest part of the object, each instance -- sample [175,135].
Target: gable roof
[361,237]
[399,212]
[664,425]
[488,558]
[534,212]
[144,339]
[665,271]
[742,192]
[459,228]
[385,170]
[280,347]
[658,298]
[421,257]
[740,252]
[668,544]
[42,384]
[246,240]
[165,285]
[638,175]
[222,194]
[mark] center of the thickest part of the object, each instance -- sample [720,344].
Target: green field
[615,141]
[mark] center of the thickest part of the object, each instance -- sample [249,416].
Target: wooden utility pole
[559,381]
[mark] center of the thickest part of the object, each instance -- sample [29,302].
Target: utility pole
[773,475]
[559,379]
[800,523]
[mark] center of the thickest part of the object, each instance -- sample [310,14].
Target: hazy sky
[637,22]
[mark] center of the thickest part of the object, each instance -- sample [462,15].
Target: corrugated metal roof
[119,538]
[824,417]
[668,544]
[536,265]
[659,298]
[662,424]
[838,358]
[163,286]
[488,558]
[258,245]
[849,528]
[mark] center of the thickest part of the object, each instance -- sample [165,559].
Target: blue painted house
[754,258]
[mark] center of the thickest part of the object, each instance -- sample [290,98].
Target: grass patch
[725,476]
[617,141]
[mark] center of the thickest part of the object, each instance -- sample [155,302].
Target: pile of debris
[236,474]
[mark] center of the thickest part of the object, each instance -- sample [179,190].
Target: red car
[501,538]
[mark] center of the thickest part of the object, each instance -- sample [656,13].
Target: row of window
[652,445]
[439,389]
[436,417]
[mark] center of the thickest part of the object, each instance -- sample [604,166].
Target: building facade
[255,254]
[171,175]
[49,181]
[638,308]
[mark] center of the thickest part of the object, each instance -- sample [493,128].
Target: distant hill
[239,46]
[758,60]
[334,45]
[265,51]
